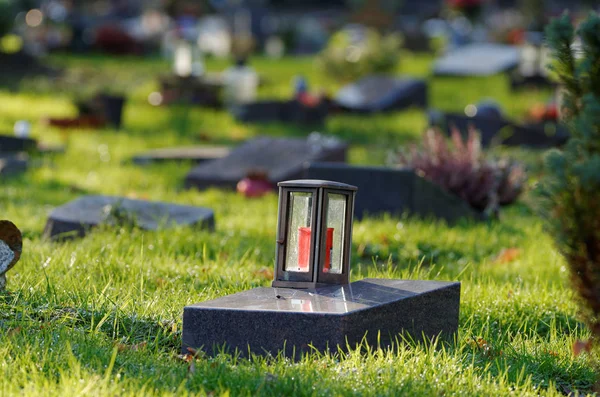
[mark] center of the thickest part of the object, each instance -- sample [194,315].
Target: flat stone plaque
[290,111]
[195,154]
[518,81]
[393,190]
[13,164]
[279,158]
[381,93]
[78,216]
[502,131]
[482,59]
[268,320]
[13,144]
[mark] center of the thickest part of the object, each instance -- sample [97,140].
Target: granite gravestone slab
[394,190]
[202,91]
[283,111]
[537,135]
[13,164]
[294,321]
[482,59]
[518,81]
[495,130]
[381,93]
[77,217]
[13,144]
[195,154]
[278,158]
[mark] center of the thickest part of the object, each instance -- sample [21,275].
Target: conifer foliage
[572,186]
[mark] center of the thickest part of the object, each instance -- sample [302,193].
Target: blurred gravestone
[12,144]
[394,191]
[498,130]
[78,216]
[13,164]
[279,158]
[291,111]
[477,60]
[195,154]
[381,93]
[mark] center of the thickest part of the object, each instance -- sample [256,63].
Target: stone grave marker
[382,93]
[394,190]
[278,158]
[498,130]
[13,144]
[202,91]
[295,321]
[12,164]
[290,111]
[77,217]
[195,154]
[481,59]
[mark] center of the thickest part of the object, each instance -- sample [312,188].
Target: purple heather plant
[461,168]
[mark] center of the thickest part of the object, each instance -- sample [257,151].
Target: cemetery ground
[101,315]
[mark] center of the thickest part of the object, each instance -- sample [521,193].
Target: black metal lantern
[314,233]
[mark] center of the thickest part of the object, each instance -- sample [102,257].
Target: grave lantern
[314,233]
[534,55]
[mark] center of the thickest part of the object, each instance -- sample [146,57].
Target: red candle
[304,234]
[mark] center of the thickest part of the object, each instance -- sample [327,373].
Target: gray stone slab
[13,164]
[268,320]
[481,59]
[393,190]
[77,217]
[502,131]
[14,144]
[195,154]
[290,111]
[279,158]
[381,93]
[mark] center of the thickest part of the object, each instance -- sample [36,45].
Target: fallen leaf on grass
[265,273]
[507,255]
[204,136]
[482,345]
[136,347]
[190,358]
[161,282]
[551,353]
[581,346]
[13,331]
[384,239]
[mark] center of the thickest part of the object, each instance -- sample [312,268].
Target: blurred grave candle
[22,129]
[529,60]
[241,83]
[183,59]
[197,61]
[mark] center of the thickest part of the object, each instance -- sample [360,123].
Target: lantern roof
[317,183]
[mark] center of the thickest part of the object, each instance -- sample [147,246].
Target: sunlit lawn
[102,315]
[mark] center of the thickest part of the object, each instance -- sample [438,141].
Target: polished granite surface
[295,321]
[333,300]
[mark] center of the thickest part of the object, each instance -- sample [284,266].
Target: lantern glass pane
[299,236]
[334,241]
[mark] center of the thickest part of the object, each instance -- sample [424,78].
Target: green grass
[102,315]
